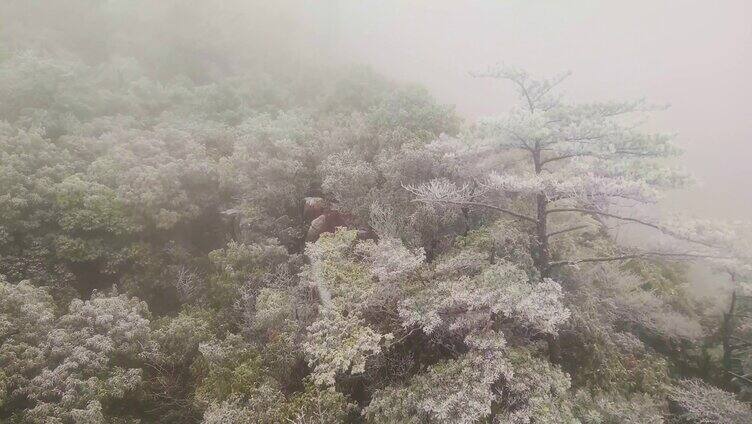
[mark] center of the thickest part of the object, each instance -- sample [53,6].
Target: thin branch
[484,205]
[594,155]
[566,230]
[634,256]
[590,196]
[636,221]
[608,215]
[521,140]
[524,91]
[555,158]
[741,339]
[739,376]
[739,346]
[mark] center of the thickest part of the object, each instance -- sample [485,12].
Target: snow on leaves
[76,359]
[501,289]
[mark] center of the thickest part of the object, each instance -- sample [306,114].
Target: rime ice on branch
[581,165]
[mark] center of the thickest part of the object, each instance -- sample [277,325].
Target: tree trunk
[542,257]
[727,331]
[541,254]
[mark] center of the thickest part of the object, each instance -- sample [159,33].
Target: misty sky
[695,55]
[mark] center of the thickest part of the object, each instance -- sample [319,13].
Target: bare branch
[483,205]
[660,228]
[739,376]
[609,215]
[553,159]
[521,140]
[566,230]
[641,255]
[593,155]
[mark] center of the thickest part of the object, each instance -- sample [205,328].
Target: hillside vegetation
[194,228]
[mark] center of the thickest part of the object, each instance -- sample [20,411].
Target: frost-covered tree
[579,166]
[68,368]
[454,391]
[736,324]
[704,404]
[340,340]
[363,286]
[156,265]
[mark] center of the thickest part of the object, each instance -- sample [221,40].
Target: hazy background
[695,55]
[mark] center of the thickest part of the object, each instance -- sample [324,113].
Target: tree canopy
[191,232]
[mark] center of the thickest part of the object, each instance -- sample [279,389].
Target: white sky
[695,55]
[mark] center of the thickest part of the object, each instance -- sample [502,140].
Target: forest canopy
[197,228]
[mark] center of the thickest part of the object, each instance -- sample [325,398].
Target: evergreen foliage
[157,262]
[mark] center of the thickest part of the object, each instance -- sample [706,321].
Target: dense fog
[371,211]
[692,55]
